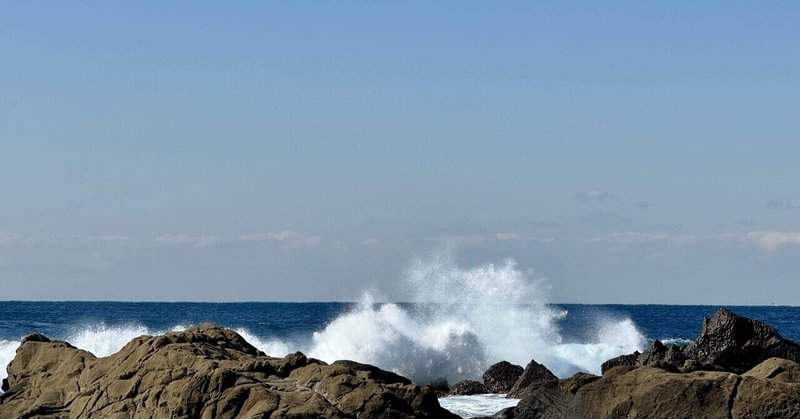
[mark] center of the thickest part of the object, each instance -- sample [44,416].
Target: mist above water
[466,319]
[461,321]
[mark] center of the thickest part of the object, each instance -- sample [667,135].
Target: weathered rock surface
[727,342]
[709,378]
[501,377]
[204,372]
[631,360]
[770,390]
[467,388]
[738,344]
[534,375]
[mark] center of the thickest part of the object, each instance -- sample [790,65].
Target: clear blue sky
[627,151]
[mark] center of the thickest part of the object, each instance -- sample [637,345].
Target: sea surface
[423,341]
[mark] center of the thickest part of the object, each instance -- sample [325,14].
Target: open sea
[422,341]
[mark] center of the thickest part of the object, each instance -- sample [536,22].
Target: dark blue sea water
[423,341]
[297,320]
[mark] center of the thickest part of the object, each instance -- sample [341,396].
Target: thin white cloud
[594,195]
[288,238]
[370,242]
[478,239]
[773,240]
[186,240]
[541,239]
[506,236]
[639,237]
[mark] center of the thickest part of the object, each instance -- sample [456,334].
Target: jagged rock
[703,379]
[204,372]
[501,377]
[467,388]
[657,355]
[532,377]
[648,392]
[631,360]
[572,384]
[738,344]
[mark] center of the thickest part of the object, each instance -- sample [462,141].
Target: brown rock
[204,372]
[654,393]
[535,375]
[776,369]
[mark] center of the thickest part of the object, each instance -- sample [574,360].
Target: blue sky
[629,152]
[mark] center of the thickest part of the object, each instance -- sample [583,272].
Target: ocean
[422,341]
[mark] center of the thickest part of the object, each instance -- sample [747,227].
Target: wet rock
[467,388]
[501,377]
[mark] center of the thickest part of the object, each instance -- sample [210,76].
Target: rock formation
[737,368]
[738,344]
[468,388]
[204,372]
[727,342]
[535,375]
[501,377]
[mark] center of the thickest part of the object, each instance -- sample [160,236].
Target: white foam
[477,405]
[613,338]
[8,349]
[482,315]
[102,340]
[271,347]
[676,341]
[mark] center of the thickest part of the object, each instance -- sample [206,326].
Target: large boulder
[738,344]
[501,377]
[204,372]
[737,368]
[534,375]
[769,390]
[727,342]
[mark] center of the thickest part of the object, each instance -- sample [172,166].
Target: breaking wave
[465,320]
[461,321]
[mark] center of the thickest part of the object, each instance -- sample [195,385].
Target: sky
[628,152]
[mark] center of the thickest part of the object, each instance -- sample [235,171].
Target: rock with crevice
[204,372]
[534,376]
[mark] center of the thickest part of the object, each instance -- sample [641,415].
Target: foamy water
[482,315]
[102,340]
[465,319]
[477,405]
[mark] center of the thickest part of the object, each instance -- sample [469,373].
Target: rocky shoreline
[204,372]
[736,368]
